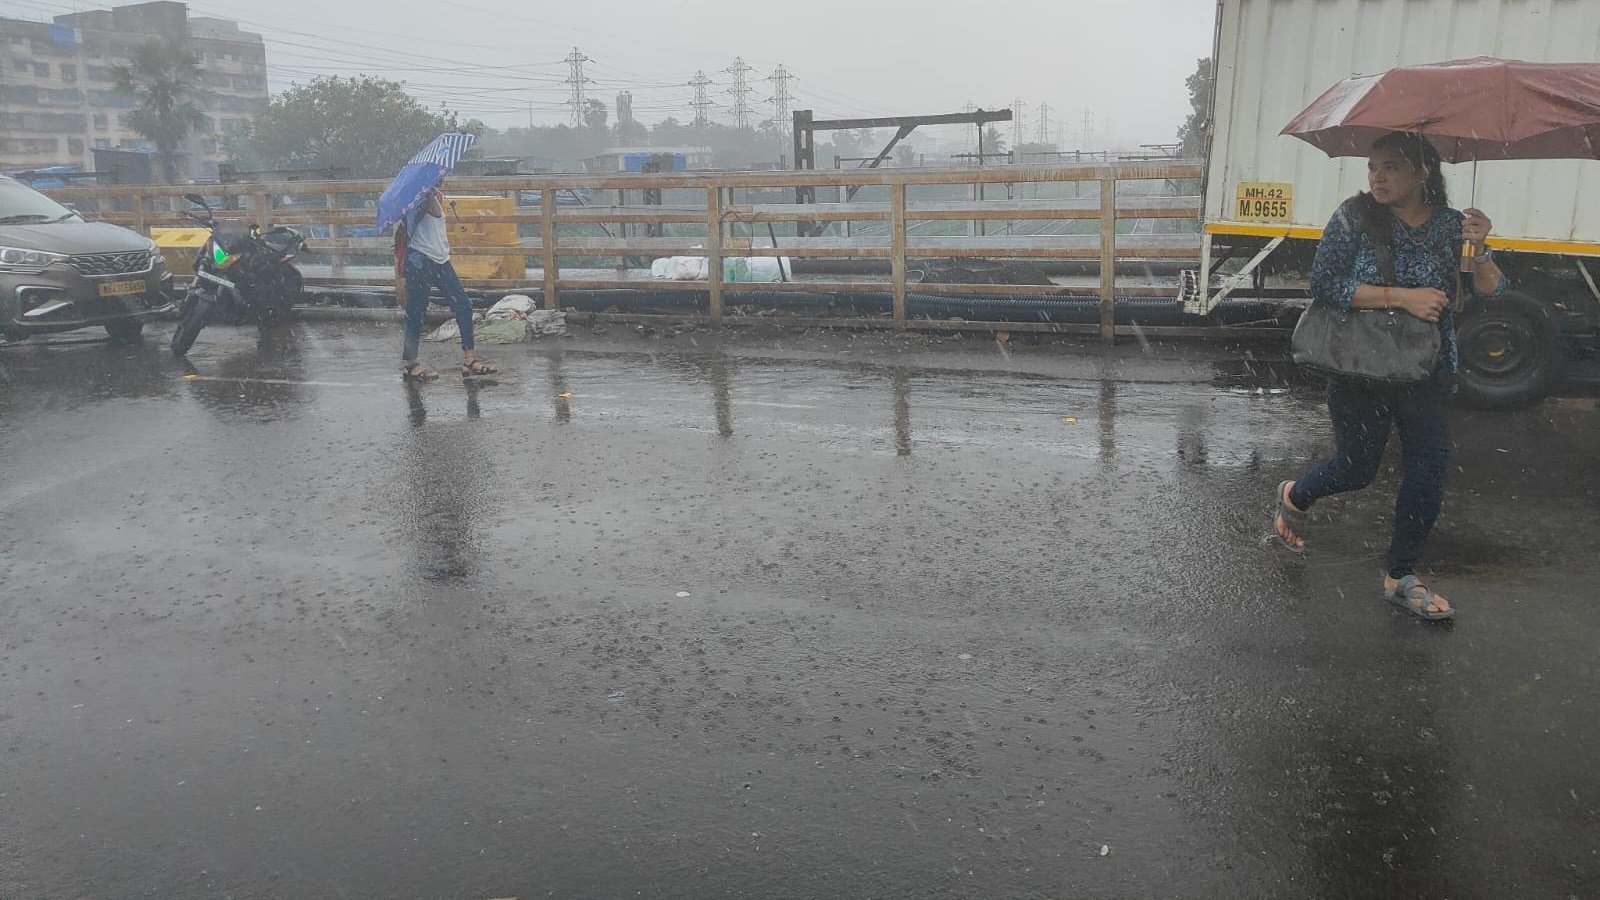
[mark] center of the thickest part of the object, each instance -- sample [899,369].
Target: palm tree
[166,80]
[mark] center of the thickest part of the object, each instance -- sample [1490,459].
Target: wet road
[774,617]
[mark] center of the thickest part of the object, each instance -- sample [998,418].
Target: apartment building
[56,97]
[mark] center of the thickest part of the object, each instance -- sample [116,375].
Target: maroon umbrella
[1470,109]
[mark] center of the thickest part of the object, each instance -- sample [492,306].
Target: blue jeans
[1362,413]
[422,276]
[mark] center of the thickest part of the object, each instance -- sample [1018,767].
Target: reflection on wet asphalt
[800,617]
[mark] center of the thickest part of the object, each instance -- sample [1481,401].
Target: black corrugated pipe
[1065,310]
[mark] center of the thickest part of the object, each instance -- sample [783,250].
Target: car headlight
[17,259]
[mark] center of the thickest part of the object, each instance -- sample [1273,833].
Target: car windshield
[20,203]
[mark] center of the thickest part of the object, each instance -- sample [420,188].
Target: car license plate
[122,288]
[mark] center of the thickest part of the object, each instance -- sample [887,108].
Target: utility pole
[702,99]
[1044,123]
[1019,130]
[740,71]
[576,79]
[781,99]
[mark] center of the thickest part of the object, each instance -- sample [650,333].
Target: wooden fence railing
[1084,213]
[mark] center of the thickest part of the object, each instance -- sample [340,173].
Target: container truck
[1267,196]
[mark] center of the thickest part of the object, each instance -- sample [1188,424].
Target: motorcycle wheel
[198,312]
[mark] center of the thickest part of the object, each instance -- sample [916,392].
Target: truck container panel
[1275,56]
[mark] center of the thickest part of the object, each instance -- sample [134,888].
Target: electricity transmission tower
[1044,123]
[1088,130]
[740,71]
[576,80]
[781,99]
[702,98]
[1019,130]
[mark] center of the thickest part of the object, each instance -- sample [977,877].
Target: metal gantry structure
[806,125]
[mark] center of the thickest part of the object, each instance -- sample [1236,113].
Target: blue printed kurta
[1424,256]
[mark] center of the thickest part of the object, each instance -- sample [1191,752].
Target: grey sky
[1124,59]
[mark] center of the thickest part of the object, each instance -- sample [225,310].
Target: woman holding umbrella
[427,266]
[414,203]
[1396,246]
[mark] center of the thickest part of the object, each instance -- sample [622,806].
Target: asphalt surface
[772,616]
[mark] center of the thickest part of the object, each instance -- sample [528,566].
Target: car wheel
[1512,353]
[127,332]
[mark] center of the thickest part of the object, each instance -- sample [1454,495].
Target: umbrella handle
[1469,253]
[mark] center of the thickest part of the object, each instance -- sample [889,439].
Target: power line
[781,99]
[1044,123]
[702,99]
[740,70]
[576,80]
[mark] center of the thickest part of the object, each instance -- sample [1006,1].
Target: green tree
[993,142]
[165,79]
[370,125]
[595,115]
[1193,133]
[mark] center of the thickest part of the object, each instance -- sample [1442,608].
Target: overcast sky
[1125,60]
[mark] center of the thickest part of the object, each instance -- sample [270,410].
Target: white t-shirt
[428,237]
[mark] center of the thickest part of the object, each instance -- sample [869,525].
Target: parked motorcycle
[244,276]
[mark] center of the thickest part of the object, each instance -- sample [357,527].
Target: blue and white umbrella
[420,175]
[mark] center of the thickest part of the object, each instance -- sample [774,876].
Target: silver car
[60,273]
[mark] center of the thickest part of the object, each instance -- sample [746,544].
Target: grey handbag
[1377,344]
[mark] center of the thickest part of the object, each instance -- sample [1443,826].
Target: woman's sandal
[1292,520]
[477,367]
[417,372]
[1411,595]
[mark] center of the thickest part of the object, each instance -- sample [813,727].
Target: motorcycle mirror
[197,200]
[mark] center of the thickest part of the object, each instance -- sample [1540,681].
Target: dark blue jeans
[1363,413]
[422,276]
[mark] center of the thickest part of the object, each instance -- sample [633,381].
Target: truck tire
[1512,353]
